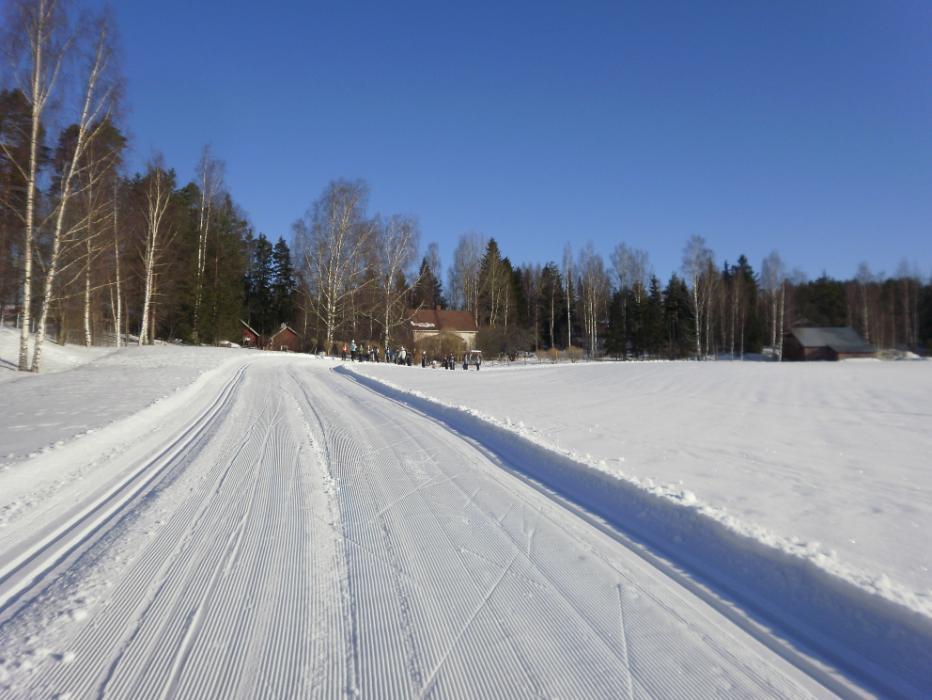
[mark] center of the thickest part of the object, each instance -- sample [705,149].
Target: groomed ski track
[305,536]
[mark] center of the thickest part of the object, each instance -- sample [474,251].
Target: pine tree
[651,328]
[822,302]
[678,318]
[428,292]
[259,296]
[615,340]
[283,284]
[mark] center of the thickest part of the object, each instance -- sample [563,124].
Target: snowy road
[305,536]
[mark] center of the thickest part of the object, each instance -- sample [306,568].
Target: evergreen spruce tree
[226,259]
[428,292]
[678,319]
[925,319]
[259,295]
[651,327]
[283,284]
[822,302]
[615,341]
[753,321]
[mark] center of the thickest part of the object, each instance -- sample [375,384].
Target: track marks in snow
[222,587]
[323,541]
[492,589]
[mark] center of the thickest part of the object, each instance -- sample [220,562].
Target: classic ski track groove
[26,570]
[308,537]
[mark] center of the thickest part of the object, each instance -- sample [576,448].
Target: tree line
[620,308]
[95,255]
[358,278]
[90,253]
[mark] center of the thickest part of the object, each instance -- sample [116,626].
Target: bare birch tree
[398,240]
[595,287]
[38,35]
[335,234]
[97,102]
[157,197]
[697,259]
[465,272]
[116,288]
[773,280]
[210,181]
[631,266]
[568,291]
[864,279]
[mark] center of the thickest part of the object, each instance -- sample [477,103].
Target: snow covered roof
[443,320]
[840,339]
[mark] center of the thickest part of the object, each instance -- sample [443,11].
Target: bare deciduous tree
[397,247]
[773,279]
[38,35]
[594,287]
[465,272]
[333,237]
[158,193]
[568,275]
[697,261]
[96,104]
[210,181]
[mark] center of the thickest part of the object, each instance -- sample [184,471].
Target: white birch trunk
[88,113]
[87,296]
[118,306]
[157,199]
[782,307]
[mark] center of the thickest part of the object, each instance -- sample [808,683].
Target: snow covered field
[200,522]
[830,460]
[802,491]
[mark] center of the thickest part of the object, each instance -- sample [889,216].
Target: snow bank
[45,411]
[875,628]
[55,358]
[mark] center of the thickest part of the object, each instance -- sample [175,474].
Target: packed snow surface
[225,523]
[831,460]
[278,530]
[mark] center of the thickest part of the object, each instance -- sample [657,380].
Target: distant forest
[91,254]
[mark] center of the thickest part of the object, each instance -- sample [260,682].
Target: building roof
[285,327]
[442,320]
[840,339]
[254,332]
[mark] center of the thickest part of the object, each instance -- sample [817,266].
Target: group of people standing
[400,356]
[372,353]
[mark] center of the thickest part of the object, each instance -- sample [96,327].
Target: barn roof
[250,328]
[840,339]
[442,320]
[285,327]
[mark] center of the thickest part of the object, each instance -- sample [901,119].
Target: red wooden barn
[285,339]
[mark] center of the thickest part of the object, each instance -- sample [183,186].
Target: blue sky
[804,127]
